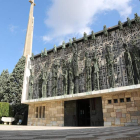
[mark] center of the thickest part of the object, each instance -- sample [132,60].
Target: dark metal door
[96,114]
[83,112]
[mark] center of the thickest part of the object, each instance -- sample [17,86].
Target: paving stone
[69,133]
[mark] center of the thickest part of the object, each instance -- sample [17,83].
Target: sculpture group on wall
[63,77]
[69,76]
[31,83]
[132,62]
[110,66]
[70,72]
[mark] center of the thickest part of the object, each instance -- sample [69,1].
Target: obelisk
[29,34]
[27,52]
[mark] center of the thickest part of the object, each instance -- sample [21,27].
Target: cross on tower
[32,1]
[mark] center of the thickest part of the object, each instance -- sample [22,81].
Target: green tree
[16,85]
[4,85]
[16,81]
[11,89]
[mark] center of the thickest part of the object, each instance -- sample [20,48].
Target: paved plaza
[68,133]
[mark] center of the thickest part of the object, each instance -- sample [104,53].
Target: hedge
[4,109]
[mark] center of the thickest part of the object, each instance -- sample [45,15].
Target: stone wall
[122,113]
[54,114]
[119,109]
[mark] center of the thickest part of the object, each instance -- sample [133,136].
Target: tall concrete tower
[29,34]
[27,52]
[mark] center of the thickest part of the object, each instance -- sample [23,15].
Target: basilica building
[90,81]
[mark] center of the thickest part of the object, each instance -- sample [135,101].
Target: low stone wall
[53,114]
[122,113]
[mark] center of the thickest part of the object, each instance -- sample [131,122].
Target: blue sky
[55,21]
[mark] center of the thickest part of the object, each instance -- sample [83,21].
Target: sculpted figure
[32,57]
[128,22]
[88,69]
[85,36]
[42,53]
[136,63]
[74,39]
[105,31]
[31,82]
[75,60]
[55,49]
[70,42]
[95,73]
[40,84]
[110,66]
[120,25]
[128,63]
[55,78]
[44,84]
[49,84]
[75,68]
[45,52]
[63,45]
[137,19]
[65,77]
[92,35]
[71,79]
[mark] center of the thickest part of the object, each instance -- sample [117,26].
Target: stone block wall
[54,114]
[122,113]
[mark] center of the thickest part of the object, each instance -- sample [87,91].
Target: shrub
[4,109]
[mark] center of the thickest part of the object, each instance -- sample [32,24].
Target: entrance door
[96,114]
[83,112]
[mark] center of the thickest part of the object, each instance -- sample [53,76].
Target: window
[109,101]
[128,100]
[43,116]
[121,100]
[40,112]
[36,112]
[115,100]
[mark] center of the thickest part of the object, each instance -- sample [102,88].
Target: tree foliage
[11,88]
[4,85]
[16,80]
[11,84]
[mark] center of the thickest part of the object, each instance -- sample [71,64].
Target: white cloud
[12,28]
[46,39]
[74,17]
[24,30]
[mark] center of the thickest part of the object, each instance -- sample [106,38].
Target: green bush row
[4,109]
